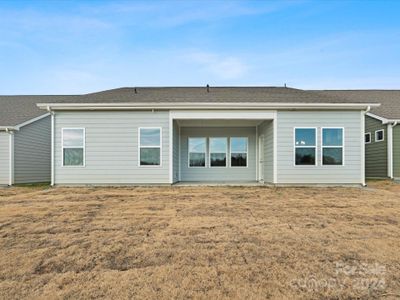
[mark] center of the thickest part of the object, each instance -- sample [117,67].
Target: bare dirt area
[200,242]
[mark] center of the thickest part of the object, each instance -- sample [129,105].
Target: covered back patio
[223,147]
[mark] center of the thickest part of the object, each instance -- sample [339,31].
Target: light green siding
[175,153]
[32,152]
[376,159]
[4,158]
[266,128]
[111,152]
[396,151]
[289,173]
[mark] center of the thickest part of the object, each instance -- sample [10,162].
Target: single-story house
[382,130]
[25,140]
[274,135]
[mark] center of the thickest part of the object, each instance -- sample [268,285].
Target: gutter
[8,128]
[390,148]
[363,114]
[203,105]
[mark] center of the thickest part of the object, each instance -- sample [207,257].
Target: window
[73,146]
[379,135]
[238,152]
[368,138]
[150,146]
[305,146]
[332,146]
[197,152]
[218,147]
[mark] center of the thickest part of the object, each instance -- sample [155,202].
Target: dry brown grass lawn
[200,242]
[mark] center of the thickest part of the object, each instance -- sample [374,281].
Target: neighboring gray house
[220,134]
[382,130]
[25,140]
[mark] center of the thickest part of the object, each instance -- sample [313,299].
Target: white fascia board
[8,128]
[222,114]
[203,105]
[32,120]
[382,119]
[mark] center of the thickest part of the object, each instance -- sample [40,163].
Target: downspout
[11,157]
[390,148]
[363,114]
[52,146]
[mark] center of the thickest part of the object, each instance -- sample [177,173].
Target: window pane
[73,137]
[150,137]
[197,145]
[379,135]
[73,157]
[305,156]
[367,138]
[332,137]
[197,159]
[218,160]
[218,145]
[238,144]
[332,156]
[305,137]
[149,156]
[238,159]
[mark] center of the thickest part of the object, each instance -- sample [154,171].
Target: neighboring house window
[368,138]
[332,146]
[379,135]
[239,151]
[150,146]
[305,146]
[73,146]
[218,149]
[197,152]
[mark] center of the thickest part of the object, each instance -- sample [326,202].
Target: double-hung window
[305,146]
[150,146]
[368,138]
[73,146]
[332,146]
[239,151]
[197,151]
[218,149]
[379,135]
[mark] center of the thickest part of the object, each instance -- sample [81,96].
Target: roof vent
[284,85]
[208,88]
[135,91]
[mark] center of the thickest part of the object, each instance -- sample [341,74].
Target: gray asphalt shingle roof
[15,110]
[389,99]
[200,94]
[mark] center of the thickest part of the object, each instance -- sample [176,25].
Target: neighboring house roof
[389,99]
[15,110]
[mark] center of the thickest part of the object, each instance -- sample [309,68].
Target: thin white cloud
[219,65]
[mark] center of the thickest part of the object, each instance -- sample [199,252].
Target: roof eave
[382,119]
[8,128]
[202,105]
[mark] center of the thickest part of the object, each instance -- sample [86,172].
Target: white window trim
[205,153]
[247,151]
[156,146]
[73,147]
[342,146]
[226,151]
[295,146]
[383,135]
[370,137]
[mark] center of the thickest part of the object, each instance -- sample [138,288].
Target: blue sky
[69,47]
